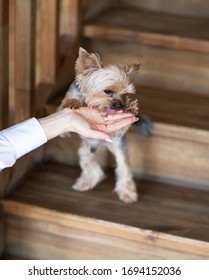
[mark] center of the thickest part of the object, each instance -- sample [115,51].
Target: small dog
[106,88]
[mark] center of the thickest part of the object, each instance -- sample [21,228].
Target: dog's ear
[133,68]
[87,61]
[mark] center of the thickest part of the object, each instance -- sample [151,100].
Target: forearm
[56,123]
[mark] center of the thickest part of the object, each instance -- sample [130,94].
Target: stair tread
[147,22]
[166,106]
[162,207]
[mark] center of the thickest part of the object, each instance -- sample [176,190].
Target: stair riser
[47,237]
[171,160]
[186,7]
[172,156]
[166,68]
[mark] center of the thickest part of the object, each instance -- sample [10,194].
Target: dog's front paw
[82,186]
[128,197]
[127,194]
[72,103]
[88,182]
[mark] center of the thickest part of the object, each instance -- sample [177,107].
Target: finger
[120,124]
[99,135]
[118,116]
[101,119]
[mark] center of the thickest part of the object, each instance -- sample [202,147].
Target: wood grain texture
[167,222]
[150,28]
[24,55]
[2,231]
[183,7]
[47,41]
[161,67]
[4,63]
[69,19]
[4,102]
[75,237]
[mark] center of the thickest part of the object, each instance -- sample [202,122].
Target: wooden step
[46,219]
[128,24]
[177,150]
[169,69]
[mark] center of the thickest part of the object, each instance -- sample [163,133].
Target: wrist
[57,123]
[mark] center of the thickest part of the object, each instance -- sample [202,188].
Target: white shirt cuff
[25,136]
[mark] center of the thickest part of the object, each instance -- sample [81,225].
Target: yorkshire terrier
[105,88]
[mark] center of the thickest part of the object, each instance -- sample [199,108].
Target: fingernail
[135,119]
[108,140]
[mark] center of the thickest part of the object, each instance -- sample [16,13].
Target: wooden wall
[184,7]
[31,69]
[4,18]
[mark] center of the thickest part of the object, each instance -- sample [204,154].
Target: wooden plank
[180,71]
[2,231]
[2,235]
[160,157]
[4,112]
[69,19]
[47,41]
[50,186]
[149,28]
[169,156]
[60,235]
[184,7]
[4,63]
[145,38]
[24,58]
[175,108]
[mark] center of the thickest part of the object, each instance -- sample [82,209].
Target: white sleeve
[19,140]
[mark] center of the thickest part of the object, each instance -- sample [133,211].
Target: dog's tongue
[111,111]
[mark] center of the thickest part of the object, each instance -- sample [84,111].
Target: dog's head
[106,87]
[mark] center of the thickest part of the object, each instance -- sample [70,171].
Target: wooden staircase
[46,219]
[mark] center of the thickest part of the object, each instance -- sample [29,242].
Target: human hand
[91,123]
[86,122]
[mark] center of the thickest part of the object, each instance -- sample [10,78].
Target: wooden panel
[92,8]
[4,63]
[4,113]
[159,157]
[150,28]
[184,7]
[35,232]
[69,19]
[2,236]
[2,231]
[175,210]
[171,157]
[164,68]
[24,58]
[47,41]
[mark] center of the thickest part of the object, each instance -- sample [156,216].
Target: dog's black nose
[118,106]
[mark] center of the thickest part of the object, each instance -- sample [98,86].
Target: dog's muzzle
[118,106]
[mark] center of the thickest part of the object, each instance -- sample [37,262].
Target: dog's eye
[108,91]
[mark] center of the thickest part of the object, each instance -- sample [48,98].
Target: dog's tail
[143,126]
